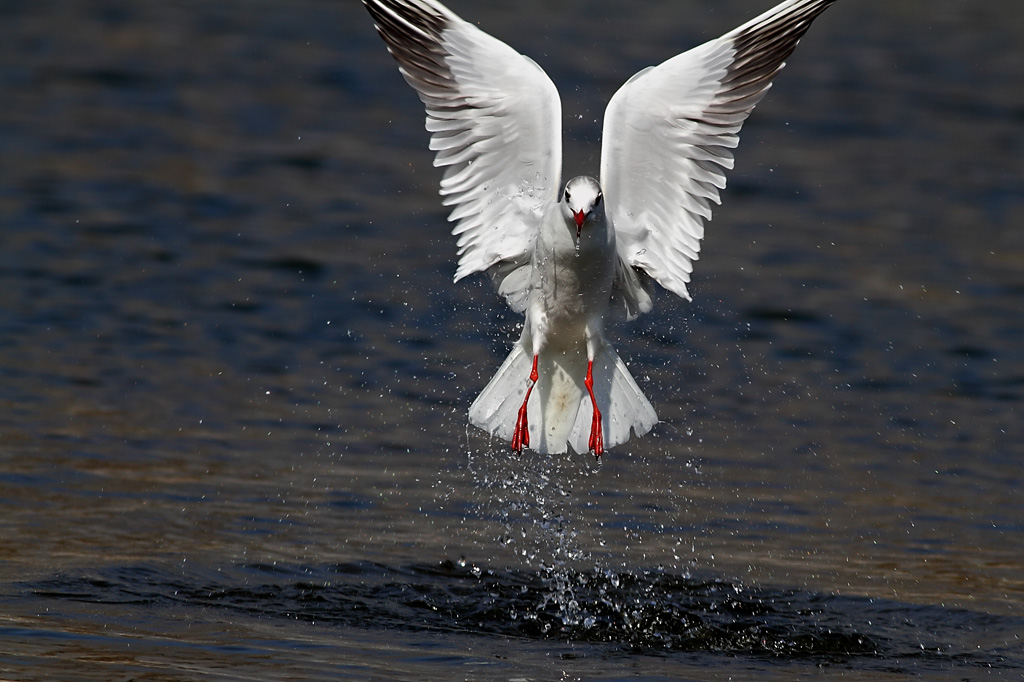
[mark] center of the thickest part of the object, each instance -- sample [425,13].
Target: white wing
[667,135]
[495,119]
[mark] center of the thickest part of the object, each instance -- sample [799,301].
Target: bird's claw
[596,442]
[521,435]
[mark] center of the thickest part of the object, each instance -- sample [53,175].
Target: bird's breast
[571,285]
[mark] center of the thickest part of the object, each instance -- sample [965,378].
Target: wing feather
[495,123]
[667,141]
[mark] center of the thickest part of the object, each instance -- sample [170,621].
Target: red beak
[579,217]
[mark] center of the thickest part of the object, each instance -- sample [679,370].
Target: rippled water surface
[234,372]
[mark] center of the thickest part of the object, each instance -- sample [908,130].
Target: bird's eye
[567,196]
[597,201]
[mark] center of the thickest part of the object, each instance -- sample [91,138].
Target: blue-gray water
[234,372]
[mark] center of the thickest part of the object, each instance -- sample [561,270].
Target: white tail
[559,411]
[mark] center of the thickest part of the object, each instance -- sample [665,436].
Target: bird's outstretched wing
[667,138]
[495,123]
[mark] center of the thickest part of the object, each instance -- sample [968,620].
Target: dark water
[234,373]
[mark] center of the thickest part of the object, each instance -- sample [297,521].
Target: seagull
[567,257]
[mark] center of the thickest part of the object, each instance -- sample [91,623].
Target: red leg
[521,436]
[596,443]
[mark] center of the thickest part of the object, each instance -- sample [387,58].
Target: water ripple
[647,613]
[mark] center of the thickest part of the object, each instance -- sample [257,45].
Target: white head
[583,198]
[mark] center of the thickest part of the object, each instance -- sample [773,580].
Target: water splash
[534,500]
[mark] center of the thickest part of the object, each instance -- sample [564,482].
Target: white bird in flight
[567,257]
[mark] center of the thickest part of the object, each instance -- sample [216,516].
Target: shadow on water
[645,612]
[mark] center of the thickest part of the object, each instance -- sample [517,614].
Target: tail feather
[559,411]
[496,408]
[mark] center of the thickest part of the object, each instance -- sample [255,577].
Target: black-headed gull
[565,257]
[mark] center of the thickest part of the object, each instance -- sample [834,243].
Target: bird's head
[582,199]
